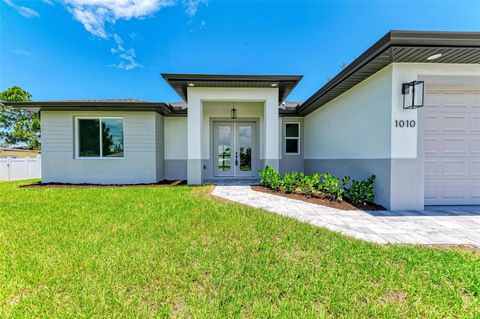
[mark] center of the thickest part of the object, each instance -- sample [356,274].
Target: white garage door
[452,147]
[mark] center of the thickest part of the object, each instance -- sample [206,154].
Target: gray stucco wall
[175,169]
[350,135]
[359,169]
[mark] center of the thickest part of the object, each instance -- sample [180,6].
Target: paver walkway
[437,225]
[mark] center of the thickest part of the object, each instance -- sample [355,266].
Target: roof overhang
[159,107]
[181,82]
[398,46]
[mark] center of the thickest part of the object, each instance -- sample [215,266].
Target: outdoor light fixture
[434,57]
[413,94]
[274,84]
[233,112]
[191,84]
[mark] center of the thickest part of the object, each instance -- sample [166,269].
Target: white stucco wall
[407,168]
[355,125]
[404,142]
[58,155]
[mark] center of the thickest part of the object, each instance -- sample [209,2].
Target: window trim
[77,138]
[285,138]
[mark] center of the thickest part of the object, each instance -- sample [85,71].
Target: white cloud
[49,2]
[97,15]
[21,52]
[191,6]
[126,57]
[24,11]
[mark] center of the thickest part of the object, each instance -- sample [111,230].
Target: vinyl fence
[13,169]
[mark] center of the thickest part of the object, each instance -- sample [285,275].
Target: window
[100,138]
[292,138]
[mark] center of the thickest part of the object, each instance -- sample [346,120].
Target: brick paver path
[437,225]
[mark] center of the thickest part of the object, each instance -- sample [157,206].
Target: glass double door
[234,149]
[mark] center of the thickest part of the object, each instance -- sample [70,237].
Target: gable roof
[398,46]
[181,82]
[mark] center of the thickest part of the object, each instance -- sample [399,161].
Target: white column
[195,121]
[272,133]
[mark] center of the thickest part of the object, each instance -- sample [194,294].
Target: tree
[18,126]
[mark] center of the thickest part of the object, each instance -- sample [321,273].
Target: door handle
[236,158]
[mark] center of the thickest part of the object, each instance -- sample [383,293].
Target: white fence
[13,169]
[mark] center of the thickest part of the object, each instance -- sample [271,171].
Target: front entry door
[234,149]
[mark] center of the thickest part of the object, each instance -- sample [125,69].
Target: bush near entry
[331,187]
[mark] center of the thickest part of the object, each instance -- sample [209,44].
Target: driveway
[436,225]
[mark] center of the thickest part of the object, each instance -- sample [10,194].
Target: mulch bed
[320,201]
[67,185]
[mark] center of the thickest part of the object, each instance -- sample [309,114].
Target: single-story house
[406,110]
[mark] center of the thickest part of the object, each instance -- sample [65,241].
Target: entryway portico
[226,145]
[208,128]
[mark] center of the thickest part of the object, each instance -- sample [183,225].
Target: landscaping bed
[315,199]
[70,185]
[324,189]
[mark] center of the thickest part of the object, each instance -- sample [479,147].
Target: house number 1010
[405,123]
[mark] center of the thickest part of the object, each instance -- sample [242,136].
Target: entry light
[233,112]
[434,57]
[191,84]
[274,84]
[413,94]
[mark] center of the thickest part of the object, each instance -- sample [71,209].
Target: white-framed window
[292,138]
[99,137]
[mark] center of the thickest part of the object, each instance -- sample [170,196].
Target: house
[18,153]
[424,148]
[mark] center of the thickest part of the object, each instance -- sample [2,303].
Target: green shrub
[308,183]
[361,192]
[332,187]
[289,182]
[270,178]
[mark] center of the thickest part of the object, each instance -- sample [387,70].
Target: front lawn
[178,252]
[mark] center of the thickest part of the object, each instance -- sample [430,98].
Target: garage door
[452,147]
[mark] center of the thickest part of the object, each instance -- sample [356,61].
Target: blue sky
[80,49]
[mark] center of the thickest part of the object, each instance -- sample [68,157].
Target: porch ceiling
[181,82]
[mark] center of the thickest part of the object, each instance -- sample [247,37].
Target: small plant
[332,187]
[308,183]
[289,182]
[270,178]
[361,192]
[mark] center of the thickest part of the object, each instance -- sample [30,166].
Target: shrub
[332,187]
[361,192]
[308,183]
[270,178]
[289,182]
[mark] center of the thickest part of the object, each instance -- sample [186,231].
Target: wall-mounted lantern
[233,112]
[413,94]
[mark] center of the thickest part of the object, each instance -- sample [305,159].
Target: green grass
[178,252]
